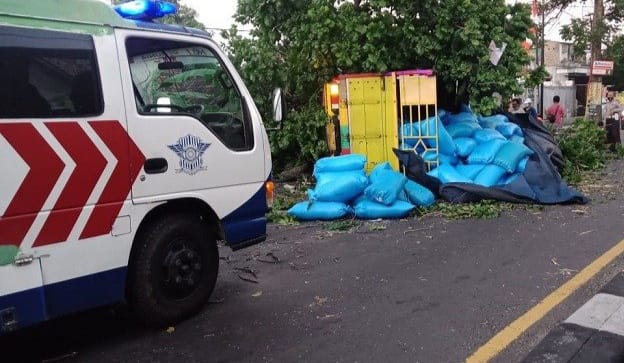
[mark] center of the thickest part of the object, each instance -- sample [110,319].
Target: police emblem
[190,150]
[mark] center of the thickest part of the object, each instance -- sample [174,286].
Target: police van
[128,148]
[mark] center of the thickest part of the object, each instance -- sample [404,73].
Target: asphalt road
[417,290]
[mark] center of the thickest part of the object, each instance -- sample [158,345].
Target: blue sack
[509,179]
[517,139]
[325,211]
[470,171]
[428,128]
[374,175]
[433,173]
[464,146]
[340,186]
[522,165]
[510,155]
[340,163]
[489,175]
[509,129]
[462,129]
[462,117]
[492,122]
[448,174]
[368,209]
[386,187]
[485,153]
[432,157]
[443,116]
[448,159]
[419,195]
[485,135]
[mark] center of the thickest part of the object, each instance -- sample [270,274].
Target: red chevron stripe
[129,162]
[90,164]
[45,169]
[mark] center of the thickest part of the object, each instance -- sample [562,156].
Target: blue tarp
[539,183]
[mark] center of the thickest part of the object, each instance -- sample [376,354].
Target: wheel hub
[182,270]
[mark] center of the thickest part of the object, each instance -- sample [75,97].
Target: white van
[128,148]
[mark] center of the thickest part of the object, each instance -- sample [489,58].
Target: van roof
[86,16]
[91,12]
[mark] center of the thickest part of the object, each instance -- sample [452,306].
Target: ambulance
[128,149]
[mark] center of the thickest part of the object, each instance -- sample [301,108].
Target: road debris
[270,258]
[247,274]
[318,301]
[257,294]
[61,357]
[170,330]
[329,317]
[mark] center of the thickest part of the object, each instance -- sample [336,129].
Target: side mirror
[166,101]
[279,107]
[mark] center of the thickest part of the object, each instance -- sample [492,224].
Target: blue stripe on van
[28,307]
[248,222]
[66,297]
[86,292]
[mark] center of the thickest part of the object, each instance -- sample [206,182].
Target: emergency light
[145,9]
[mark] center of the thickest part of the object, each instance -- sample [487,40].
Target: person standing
[556,112]
[515,106]
[612,108]
[528,108]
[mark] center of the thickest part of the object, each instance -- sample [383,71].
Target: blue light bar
[145,9]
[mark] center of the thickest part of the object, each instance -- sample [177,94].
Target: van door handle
[155,165]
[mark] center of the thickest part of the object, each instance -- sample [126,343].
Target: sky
[214,14]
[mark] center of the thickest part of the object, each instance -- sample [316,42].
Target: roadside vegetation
[584,150]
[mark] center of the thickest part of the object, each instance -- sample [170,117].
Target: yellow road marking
[512,331]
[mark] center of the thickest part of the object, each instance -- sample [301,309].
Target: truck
[128,149]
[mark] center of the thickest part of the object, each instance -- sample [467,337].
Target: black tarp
[540,183]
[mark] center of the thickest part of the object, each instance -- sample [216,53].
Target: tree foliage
[615,52]
[584,31]
[185,15]
[300,45]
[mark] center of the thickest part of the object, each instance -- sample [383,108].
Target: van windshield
[189,76]
[172,78]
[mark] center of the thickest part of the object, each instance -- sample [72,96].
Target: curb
[593,333]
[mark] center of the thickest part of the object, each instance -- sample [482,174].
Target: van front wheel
[174,269]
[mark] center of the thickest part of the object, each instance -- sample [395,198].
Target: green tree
[185,15]
[582,32]
[615,52]
[300,45]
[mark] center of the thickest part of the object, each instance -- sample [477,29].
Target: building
[569,76]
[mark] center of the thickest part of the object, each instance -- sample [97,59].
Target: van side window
[178,78]
[48,74]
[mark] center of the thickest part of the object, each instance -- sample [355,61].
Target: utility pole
[542,58]
[594,89]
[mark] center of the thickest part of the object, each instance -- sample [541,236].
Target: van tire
[173,270]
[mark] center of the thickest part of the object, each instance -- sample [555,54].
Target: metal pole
[542,58]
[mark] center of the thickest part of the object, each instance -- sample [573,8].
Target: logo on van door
[190,149]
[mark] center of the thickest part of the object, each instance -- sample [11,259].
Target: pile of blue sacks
[487,151]
[343,189]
